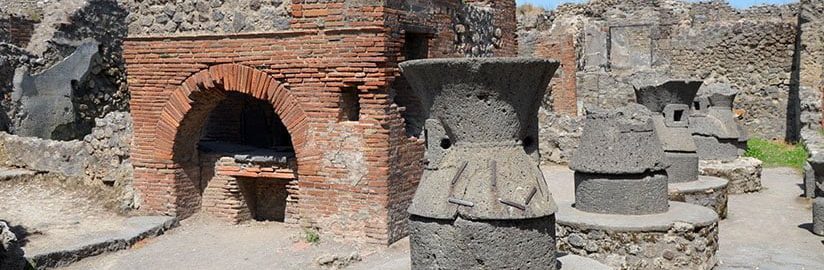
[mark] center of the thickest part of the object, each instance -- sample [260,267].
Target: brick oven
[312,125]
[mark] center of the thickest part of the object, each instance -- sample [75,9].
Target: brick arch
[190,103]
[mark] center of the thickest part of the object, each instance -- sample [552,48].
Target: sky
[735,3]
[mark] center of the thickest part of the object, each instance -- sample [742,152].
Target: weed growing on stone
[311,236]
[777,153]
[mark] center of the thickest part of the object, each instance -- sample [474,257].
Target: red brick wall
[19,30]
[176,81]
[563,85]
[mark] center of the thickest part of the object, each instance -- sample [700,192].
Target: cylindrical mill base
[488,244]
[818,216]
[630,194]
[683,166]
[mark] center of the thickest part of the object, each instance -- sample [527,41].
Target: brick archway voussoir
[210,85]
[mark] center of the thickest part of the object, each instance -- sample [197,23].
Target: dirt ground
[765,230]
[202,242]
[46,212]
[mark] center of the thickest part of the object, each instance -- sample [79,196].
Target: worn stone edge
[703,184]
[122,240]
[701,217]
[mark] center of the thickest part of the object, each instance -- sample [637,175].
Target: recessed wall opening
[349,105]
[243,144]
[242,119]
[678,115]
[415,46]
[696,105]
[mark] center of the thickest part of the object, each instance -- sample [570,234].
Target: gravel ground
[49,211]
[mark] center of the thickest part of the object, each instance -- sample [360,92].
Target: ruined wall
[16,30]
[614,42]
[206,16]
[101,159]
[62,27]
[810,61]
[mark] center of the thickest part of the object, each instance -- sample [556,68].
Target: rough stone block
[621,141]
[683,166]
[46,107]
[744,174]
[640,194]
[707,191]
[818,216]
[466,244]
[711,148]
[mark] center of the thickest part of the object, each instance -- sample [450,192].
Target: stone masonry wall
[810,61]
[607,44]
[206,16]
[101,159]
[16,30]
[61,27]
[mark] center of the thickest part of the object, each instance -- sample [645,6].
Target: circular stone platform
[685,237]
[707,191]
[743,173]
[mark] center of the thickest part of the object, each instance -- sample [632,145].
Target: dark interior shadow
[806,226]
[14,258]
[558,256]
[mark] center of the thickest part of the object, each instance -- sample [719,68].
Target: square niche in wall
[349,105]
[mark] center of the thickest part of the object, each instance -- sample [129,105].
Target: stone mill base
[743,173]
[707,191]
[685,237]
[818,216]
[470,244]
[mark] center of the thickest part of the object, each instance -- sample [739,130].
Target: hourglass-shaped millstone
[717,134]
[671,101]
[482,201]
[619,164]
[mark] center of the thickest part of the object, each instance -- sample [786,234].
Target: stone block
[46,109]
[630,47]
[743,174]
[620,141]
[467,244]
[818,216]
[711,148]
[683,166]
[639,194]
[707,191]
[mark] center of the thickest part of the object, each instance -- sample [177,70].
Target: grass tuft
[777,153]
[311,236]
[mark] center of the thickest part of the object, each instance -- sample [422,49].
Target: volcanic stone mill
[482,201]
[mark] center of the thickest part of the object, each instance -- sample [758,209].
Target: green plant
[311,235]
[777,153]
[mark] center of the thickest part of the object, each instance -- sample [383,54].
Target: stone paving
[53,212]
[764,230]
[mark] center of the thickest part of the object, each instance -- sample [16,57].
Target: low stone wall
[689,247]
[101,159]
[743,173]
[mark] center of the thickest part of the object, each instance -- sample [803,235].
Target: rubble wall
[101,159]
[614,42]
